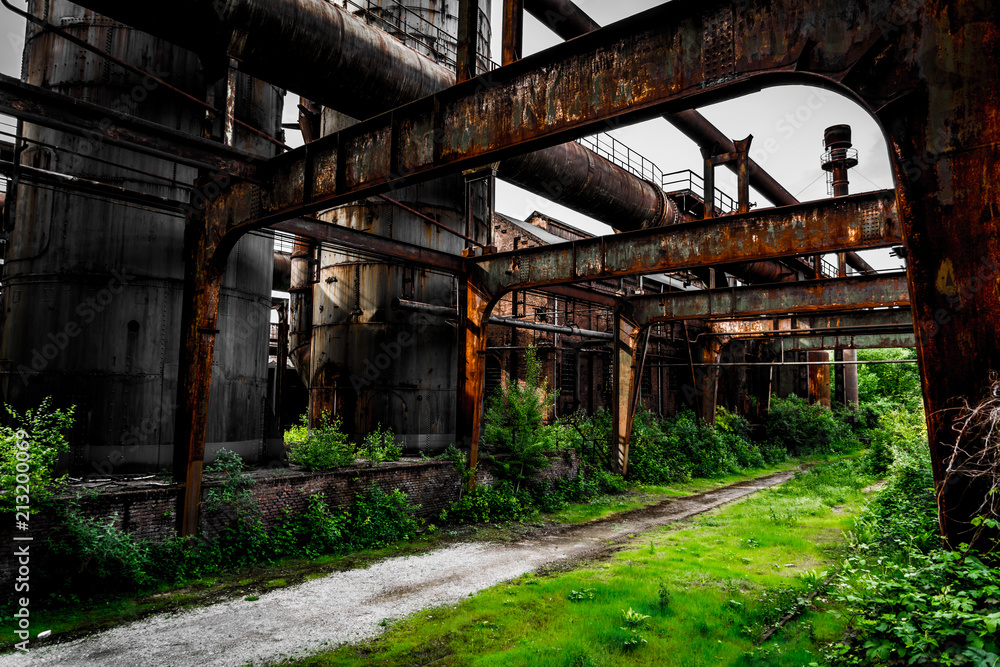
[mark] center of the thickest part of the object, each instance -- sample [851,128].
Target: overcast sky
[786,122]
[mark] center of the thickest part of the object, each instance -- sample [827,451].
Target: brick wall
[150,513]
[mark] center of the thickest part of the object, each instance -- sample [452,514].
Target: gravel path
[348,606]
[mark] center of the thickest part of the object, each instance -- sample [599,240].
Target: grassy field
[702,592]
[90,616]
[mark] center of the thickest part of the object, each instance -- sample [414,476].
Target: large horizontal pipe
[327,55]
[573,175]
[446,311]
[567,20]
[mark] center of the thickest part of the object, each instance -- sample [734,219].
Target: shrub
[43,432]
[898,433]
[325,447]
[380,445]
[298,432]
[805,429]
[379,519]
[897,384]
[486,504]
[316,531]
[910,600]
[679,448]
[96,556]
[513,430]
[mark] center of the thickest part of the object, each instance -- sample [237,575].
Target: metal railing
[615,151]
[413,30]
[688,181]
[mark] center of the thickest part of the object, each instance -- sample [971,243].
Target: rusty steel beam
[569,21]
[798,297]
[102,125]
[468,38]
[447,311]
[851,341]
[851,322]
[626,370]
[867,220]
[562,17]
[345,237]
[634,64]
[288,42]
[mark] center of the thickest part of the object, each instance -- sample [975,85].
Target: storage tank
[372,364]
[92,287]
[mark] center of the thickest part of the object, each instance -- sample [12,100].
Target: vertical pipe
[468,36]
[513,30]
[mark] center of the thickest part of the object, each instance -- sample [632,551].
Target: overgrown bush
[679,448]
[892,384]
[30,445]
[804,429]
[486,504]
[379,519]
[897,433]
[95,555]
[513,433]
[325,447]
[552,495]
[380,445]
[910,601]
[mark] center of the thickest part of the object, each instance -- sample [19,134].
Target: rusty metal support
[474,307]
[567,20]
[819,378]
[707,378]
[513,31]
[100,124]
[626,369]
[740,158]
[199,315]
[468,36]
[634,63]
[562,17]
[345,237]
[890,290]
[866,220]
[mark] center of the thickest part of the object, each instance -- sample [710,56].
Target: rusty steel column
[474,306]
[945,137]
[625,380]
[468,24]
[707,378]
[513,30]
[819,379]
[300,318]
[199,315]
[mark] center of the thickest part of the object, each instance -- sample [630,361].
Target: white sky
[787,124]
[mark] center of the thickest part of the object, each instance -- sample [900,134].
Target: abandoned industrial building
[192,270]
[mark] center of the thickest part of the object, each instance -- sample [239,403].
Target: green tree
[29,449]
[514,417]
[895,383]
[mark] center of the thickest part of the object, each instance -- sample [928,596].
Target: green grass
[93,616]
[727,575]
[644,495]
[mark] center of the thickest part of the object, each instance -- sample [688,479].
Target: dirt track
[348,606]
